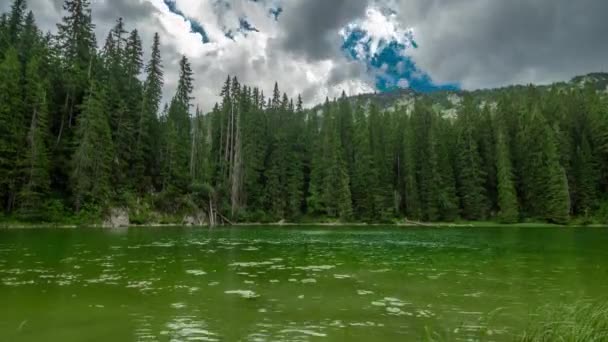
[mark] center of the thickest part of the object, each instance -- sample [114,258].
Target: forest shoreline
[87,128]
[436,225]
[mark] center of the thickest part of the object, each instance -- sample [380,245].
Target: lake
[291,284]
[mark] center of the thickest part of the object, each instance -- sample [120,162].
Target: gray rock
[118,217]
[197,219]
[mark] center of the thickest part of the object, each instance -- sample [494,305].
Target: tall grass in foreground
[581,322]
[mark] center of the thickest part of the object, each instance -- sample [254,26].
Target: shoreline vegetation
[582,321]
[326,224]
[84,127]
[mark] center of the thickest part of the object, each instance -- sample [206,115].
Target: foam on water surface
[243,293]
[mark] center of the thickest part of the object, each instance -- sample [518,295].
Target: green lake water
[291,284]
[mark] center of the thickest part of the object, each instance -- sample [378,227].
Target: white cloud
[252,58]
[477,43]
[403,83]
[379,29]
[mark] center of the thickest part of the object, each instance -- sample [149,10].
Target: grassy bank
[584,322]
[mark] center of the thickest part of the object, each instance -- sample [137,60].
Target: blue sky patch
[195,25]
[275,12]
[245,26]
[389,65]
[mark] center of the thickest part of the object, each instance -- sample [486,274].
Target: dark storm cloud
[483,43]
[132,10]
[311,27]
[105,12]
[346,71]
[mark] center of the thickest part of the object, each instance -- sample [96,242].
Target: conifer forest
[84,127]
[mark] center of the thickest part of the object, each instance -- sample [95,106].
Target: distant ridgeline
[80,133]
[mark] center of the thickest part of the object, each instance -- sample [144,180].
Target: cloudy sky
[320,48]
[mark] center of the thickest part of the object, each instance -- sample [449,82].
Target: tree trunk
[65,108]
[236,170]
[193,149]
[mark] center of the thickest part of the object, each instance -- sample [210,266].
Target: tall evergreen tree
[412,199]
[34,164]
[4,41]
[16,21]
[92,159]
[471,175]
[586,179]
[147,147]
[12,126]
[507,195]
[199,154]
[254,132]
[380,148]
[443,133]
[426,160]
[177,131]
[543,179]
[295,160]
[76,41]
[30,40]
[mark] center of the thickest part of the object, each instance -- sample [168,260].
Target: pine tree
[254,151]
[341,178]
[586,179]
[486,144]
[240,105]
[30,40]
[471,176]
[201,168]
[381,184]
[74,66]
[4,43]
[12,126]
[147,146]
[363,168]
[123,63]
[346,129]
[178,138]
[412,199]
[35,164]
[557,199]
[335,192]
[443,133]
[92,159]
[278,156]
[543,179]
[76,41]
[319,165]
[133,58]
[15,22]
[311,161]
[294,169]
[426,160]
[507,195]
[580,131]
[185,85]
